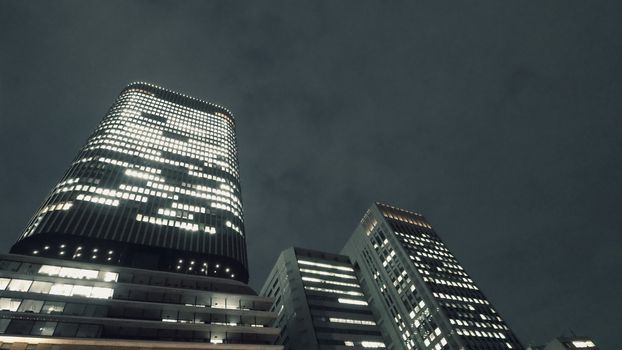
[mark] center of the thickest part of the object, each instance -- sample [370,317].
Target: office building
[567,343]
[319,303]
[420,295]
[141,244]
[155,186]
[59,304]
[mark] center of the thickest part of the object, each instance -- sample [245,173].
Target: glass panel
[50,270]
[9,265]
[18,285]
[71,272]
[43,328]
[102,293]
[30,305]
[84,291]
[53,307]
[29,269]
[20,327]
[66,330]
[4,322]
[109,276]
[88,331]
[4,282]
[74,309]
[9,304]
[61,289]
[97,310]
[40,287]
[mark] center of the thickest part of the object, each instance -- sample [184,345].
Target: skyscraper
[141,244]
[319,302]
[420,295]
[155,186]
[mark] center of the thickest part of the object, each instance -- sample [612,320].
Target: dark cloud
[499,121]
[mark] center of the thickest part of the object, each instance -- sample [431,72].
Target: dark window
[74,309]
[9,265]
[20,327]
[155,117]
[88,331]
[66,330]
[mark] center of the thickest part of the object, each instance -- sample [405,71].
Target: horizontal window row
[46,328]
[22,285]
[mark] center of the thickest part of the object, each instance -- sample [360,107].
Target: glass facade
[155,186]
[43,300]
[420,293]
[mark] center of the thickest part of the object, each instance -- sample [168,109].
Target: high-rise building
[420,294]
[319,303]
[155,186]
[141,244]
[567,343]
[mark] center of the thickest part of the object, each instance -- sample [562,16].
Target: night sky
[500,121]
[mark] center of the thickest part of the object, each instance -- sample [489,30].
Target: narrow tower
[155,186]
[420,294]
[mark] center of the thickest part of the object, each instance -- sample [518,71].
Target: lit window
[43,328]
[109,276]
[40,287]
[318,280]
[351,321]
[61,289]
[29,305]
[583,343]
[70,272]
[326,273]
[18,285]
[8,304]
[49,270]
[102,293]
[53,307]
[372,344]
[352,301]
[83,291]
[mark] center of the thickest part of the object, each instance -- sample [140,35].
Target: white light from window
[583,343]
[328,266]
[351,301]
[326,273]
[70,272]
[18,285]
[9,304]
[318,280]
[351,321]
[372,344]
[335,291]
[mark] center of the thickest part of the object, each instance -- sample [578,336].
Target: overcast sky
[500,121]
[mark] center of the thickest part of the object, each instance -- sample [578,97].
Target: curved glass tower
[155,186]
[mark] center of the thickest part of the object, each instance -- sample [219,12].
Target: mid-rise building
[141,244]
[50,303]
[420,295]
[319,303]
